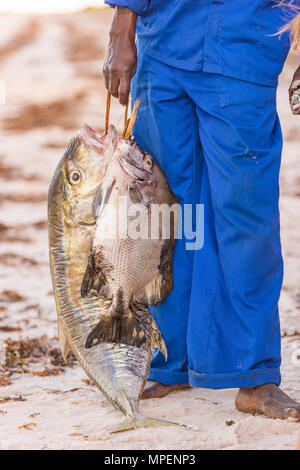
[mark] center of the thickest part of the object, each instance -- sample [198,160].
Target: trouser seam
[212,317]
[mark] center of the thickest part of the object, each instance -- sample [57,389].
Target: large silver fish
[103,283]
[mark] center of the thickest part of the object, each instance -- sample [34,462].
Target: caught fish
[104,282]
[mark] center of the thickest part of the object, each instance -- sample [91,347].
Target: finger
[114,86]
[296,111]
[106,77]
[124,91]
[295,85]
[293,414]
[295,102]
[105,69]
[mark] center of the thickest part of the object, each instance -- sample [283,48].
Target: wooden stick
[126,126]
[107,112]
[132,120]
[125,120]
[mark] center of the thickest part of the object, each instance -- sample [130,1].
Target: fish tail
[141,421]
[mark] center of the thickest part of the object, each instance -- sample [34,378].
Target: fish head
[80,173]
[146,182]
[86,160]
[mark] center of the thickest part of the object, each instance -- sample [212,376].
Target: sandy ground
[51,69]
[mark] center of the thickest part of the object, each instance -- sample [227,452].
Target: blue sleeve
[139,6]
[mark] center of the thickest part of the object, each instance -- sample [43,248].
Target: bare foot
[158,390]
[269,400]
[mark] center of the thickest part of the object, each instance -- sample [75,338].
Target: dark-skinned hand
[294,93]
[121,57]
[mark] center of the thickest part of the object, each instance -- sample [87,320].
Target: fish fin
[135,194]
[89,277]
[160,287]
[64,343]
[118,325]
[102,196]
[141,422]
[145,318]
[116,329]
[96,274]
[157,340]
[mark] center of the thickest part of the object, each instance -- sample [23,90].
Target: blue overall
[207,76]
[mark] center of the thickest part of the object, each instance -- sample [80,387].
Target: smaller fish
[130,273]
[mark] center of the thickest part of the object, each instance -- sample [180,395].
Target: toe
[276,413]
[280,412]
[293,413]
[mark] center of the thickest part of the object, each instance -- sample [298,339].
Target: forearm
[121,58]
[124,24]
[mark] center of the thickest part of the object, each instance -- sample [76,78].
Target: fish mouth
[89,136]
[94,141]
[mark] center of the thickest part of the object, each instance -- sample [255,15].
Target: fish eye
[148,163]
[75,177]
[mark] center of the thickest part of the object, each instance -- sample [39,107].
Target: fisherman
[206,73]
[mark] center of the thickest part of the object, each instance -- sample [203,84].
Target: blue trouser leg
[234,332]
[167,127]
[226,294]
